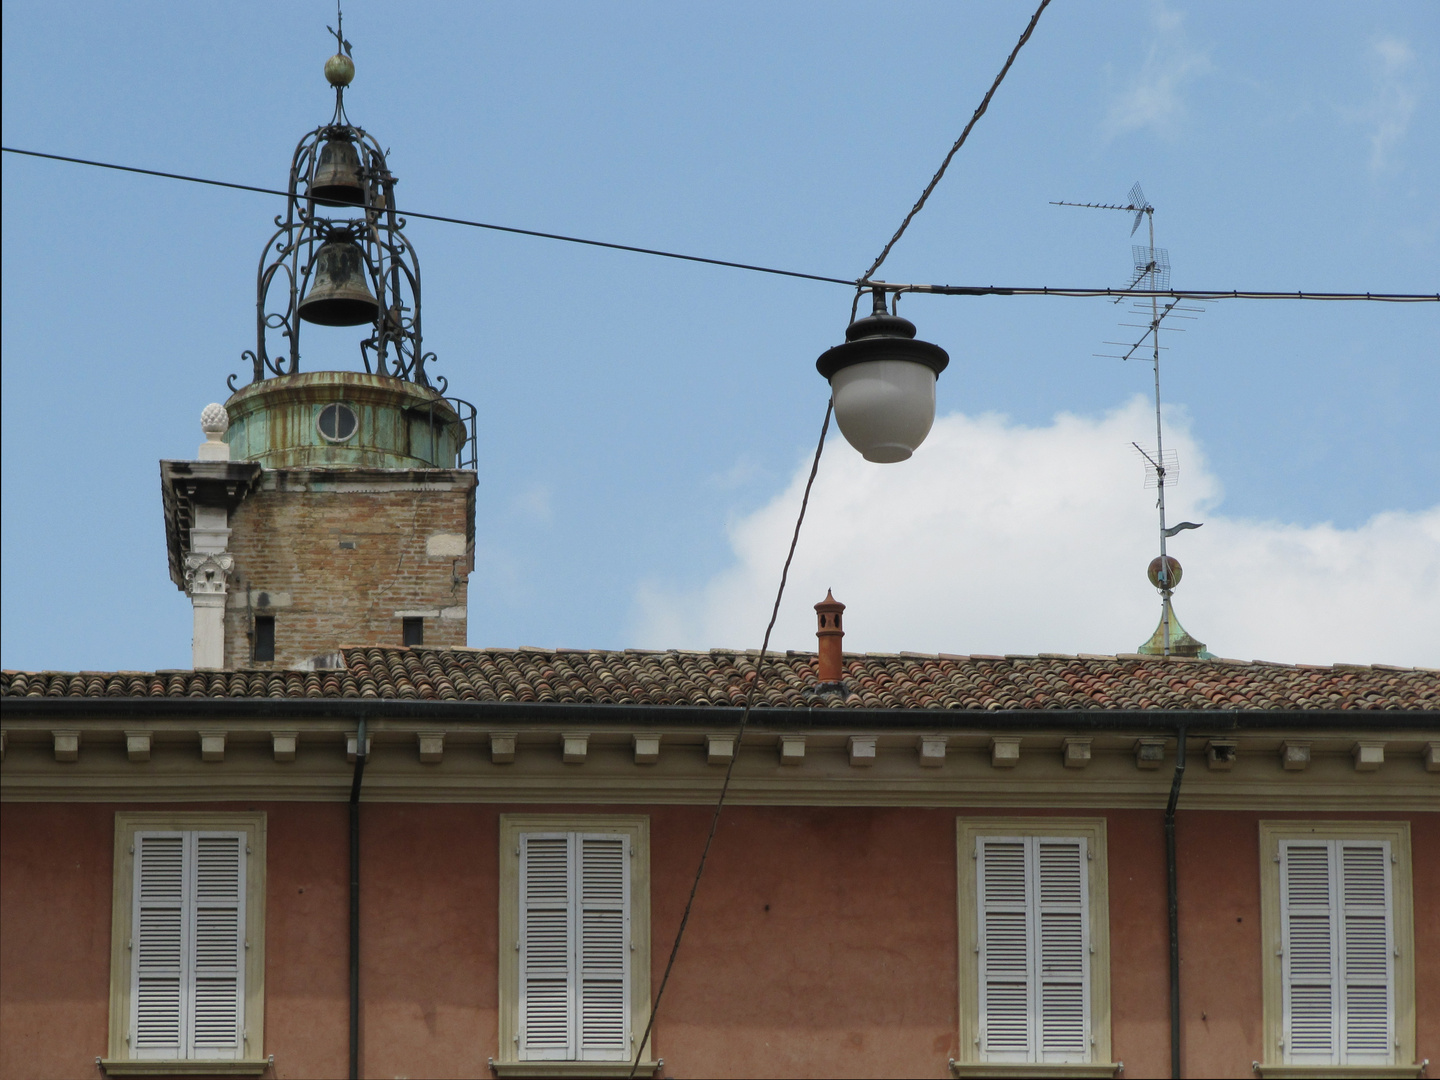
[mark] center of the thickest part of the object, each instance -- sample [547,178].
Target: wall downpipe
[360,747]
[1173,895]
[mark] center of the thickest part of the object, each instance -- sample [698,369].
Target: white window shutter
[1062,914]
[603,952]
[187,986]
[547,969]
[217,931]
[1308,945]
[158,946]
[1006,983]
[1366,982]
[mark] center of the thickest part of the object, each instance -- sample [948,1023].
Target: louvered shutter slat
[1064,958]
[1006,990]
[1366,993]
[547,992]
[604,947]
[157,944]
[219,946]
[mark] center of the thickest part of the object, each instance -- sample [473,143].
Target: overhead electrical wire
[442,218]
[895,287]
[1179,294]
[940,172]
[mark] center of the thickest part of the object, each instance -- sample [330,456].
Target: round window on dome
[337,423]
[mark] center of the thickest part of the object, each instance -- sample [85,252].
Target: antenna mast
[1152,273]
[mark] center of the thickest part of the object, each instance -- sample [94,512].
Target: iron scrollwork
[288,261]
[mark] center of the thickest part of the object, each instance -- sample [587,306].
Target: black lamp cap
[881,336]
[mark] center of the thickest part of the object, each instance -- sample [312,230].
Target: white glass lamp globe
[882,381]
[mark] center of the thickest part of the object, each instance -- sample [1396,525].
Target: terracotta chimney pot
[831,630]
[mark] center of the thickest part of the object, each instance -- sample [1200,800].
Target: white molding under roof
[411,761]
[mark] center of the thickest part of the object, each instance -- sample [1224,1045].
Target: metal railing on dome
[467,452]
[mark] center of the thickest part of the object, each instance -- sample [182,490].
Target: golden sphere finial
[339,70]
[1164,573]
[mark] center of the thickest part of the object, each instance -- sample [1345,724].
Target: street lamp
[882,381]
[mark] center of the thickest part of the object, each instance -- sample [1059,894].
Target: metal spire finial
[340,68]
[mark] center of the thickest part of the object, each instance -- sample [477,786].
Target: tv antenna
[1152,274]
[1137,204]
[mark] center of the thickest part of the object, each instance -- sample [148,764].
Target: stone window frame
[1093,830]
[129,822]
[637,828]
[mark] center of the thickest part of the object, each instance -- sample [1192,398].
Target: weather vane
[338,31]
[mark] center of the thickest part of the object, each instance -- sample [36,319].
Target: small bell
[339,295]
[337,180]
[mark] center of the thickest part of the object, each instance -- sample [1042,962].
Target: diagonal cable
[984,104]
[937,290]
[739,739]
[441,218]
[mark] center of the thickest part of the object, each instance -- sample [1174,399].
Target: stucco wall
[823,940]
[55,896]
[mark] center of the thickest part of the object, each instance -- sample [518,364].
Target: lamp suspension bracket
[339,255]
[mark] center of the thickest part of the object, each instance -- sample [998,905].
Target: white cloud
[1395,93]
[1000,538]
[1152,99]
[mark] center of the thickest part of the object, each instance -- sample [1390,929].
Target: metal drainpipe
[355,901]
[1174,899]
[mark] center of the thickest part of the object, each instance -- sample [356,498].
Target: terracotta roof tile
[719,677]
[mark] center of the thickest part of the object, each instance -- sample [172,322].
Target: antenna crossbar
[1103,206]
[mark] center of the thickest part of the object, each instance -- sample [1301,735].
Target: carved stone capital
[208,574]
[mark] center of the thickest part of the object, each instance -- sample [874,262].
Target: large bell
[339,294]
[337,179]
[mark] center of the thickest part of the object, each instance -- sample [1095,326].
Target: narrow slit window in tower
[264,637]
[413,630]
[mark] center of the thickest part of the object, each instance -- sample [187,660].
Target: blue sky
[643,420]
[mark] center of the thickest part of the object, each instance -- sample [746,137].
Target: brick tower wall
[339,557]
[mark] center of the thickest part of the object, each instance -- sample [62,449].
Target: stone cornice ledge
[1035,1068]
[128,1067]
[563,1069]
[1384,796]
[1340,1072]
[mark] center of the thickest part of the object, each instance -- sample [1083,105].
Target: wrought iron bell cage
[335,168]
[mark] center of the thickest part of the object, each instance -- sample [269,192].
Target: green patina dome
[341,418]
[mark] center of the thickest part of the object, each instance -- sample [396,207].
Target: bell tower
[329,508]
